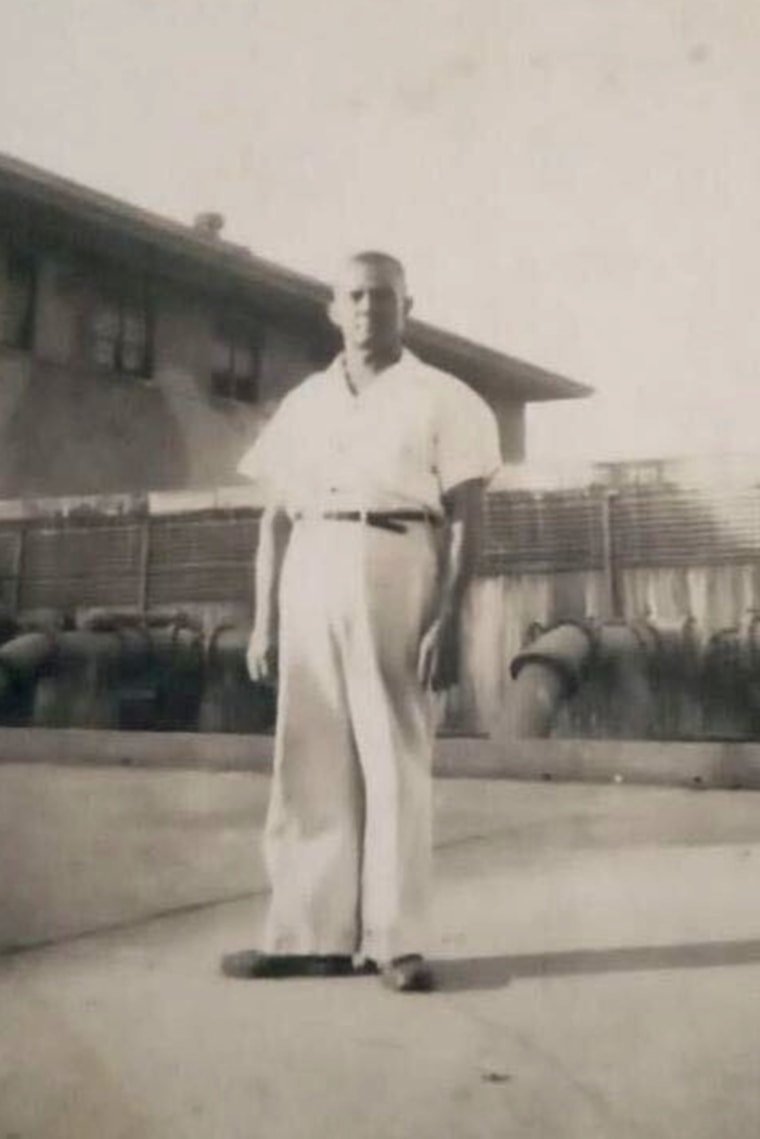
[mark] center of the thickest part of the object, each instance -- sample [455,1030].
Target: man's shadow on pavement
[469,973]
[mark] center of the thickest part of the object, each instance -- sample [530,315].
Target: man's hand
[438,658]
[261,657]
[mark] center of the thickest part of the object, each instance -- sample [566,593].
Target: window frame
[240,337]
[123,302]
[25,282]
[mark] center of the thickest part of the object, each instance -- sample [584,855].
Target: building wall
[67,428]
[511,420]
[214,431]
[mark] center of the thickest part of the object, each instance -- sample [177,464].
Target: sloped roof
[36,201]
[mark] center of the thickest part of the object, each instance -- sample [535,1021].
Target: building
[137,353]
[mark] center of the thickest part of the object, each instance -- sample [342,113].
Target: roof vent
[209,224]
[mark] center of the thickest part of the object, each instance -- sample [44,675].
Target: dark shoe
[249,964]
[365,967]
[410,974]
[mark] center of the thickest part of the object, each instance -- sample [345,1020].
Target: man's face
[370,306]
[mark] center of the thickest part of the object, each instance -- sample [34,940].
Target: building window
[236,362]
[120,335]
[17,297]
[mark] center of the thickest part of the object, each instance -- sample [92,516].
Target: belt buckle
[385,521]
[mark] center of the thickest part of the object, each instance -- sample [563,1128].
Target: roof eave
[489,369]
[103,219]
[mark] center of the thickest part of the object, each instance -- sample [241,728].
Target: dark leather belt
[383,519]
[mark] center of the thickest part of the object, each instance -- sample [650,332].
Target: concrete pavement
[598,950]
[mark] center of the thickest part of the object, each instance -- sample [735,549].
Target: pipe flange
[569,661]
[212,644]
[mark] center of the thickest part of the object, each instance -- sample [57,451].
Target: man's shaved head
[377,259]
[371,303]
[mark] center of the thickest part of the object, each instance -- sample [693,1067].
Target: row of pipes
[160,671]
[120,669]
[638,679]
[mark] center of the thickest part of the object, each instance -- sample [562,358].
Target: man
[374,471]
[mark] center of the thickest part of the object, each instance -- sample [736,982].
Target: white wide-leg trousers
[348,839]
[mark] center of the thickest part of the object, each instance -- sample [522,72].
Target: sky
[573,181]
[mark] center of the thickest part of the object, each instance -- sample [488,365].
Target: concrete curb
[709,764]
[705,764]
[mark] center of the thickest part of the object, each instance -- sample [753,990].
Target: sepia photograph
[379,569]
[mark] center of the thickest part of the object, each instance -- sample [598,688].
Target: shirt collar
[340,373]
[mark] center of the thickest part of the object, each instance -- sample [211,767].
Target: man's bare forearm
[438,661]
[460,553]
[274,533]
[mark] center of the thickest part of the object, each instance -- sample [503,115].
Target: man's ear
[332,311]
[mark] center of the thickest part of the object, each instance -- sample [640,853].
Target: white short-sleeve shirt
[402,442]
